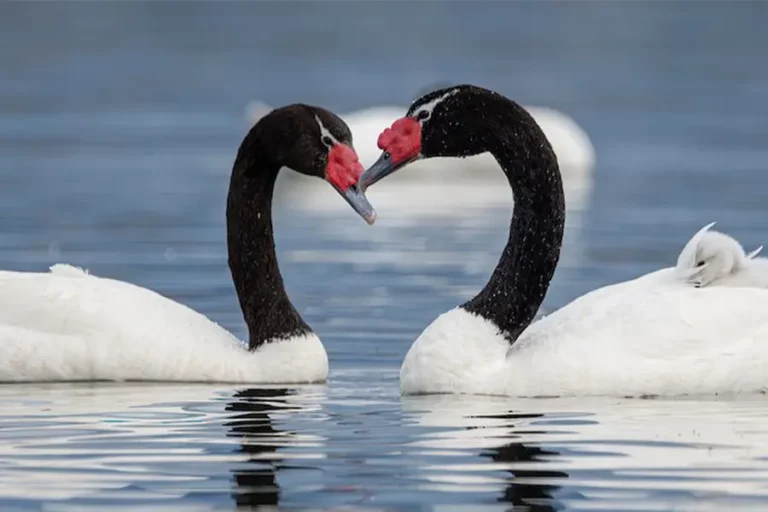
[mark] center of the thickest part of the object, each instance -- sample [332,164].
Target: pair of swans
[695,328]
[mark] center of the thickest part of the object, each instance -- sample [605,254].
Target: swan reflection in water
[537,497]
[489,428]
[254,425]
[477,428]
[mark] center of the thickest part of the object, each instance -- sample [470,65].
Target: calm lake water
[118,127]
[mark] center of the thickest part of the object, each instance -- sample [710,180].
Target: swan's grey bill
[382,168]
[357,200]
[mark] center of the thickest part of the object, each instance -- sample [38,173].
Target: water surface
[118,126]
[90,447]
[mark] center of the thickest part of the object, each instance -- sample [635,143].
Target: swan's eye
[327,141]
[423,115]
[700,263]
[386,155]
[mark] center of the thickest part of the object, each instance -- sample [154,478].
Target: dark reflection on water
[252,426]
[535,496]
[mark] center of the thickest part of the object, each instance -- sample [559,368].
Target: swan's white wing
[650,335]
[68,325]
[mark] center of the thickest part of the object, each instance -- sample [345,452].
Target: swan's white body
[574,150]
[712,258]
[652,335]
[69,325]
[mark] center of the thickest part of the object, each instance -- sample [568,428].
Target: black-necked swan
[650,335]
[711,258]
[67,325]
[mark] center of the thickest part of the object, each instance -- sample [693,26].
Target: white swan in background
[68,325]
[712,258]
[572,145]
[651,335]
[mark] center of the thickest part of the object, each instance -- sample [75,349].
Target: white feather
[712,258]
[754,253]
[652,335]
[69,325]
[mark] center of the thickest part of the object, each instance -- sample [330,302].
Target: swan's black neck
[266,307]
[520,281]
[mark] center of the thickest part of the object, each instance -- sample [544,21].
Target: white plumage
[69,325]
[712,258]
[651,335]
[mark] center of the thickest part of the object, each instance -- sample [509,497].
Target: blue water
[118,126]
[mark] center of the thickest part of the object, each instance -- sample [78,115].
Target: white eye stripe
[324,132]
[430,106]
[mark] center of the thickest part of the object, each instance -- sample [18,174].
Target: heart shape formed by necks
[402,141]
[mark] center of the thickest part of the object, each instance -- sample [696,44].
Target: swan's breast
[454,352]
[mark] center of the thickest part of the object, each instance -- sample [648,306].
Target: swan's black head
[315,142]
[448,122]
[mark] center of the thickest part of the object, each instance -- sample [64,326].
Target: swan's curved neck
[266,307]
[520,281]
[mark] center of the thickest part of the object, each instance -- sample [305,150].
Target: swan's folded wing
[655,316]
[70,325]
[651,335]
